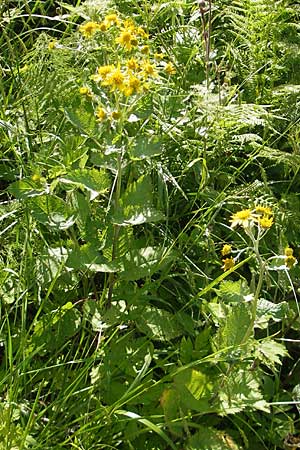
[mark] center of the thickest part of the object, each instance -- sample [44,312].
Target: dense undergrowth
[150,218]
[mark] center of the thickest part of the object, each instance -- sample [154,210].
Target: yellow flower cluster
[261,215]
[228,262]
[290,259]
[129,80]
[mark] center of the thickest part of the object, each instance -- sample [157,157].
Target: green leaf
[240,390]
[88,258]
[145,148]
[234,327]
[158,324]
[233,291]
[52,212]
[93,180]
[270,311]
[208,438]
[24,189]
[136,204]
[143,262]
[269,353]
[195,389]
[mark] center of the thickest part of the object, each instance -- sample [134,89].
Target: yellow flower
[141,32]
[133,86]
[115,79]
[101,114]
[132,64]
[126,39]
[103,26]
[103,72]
[159,56]
[170,69]
[111,19]
[88,29]
[36,178]
[52,45]
[265,210]
[290,261]
[145,49]
[228,263]
[288,251]
[243,218]
[148,69]
[265,222]
[115,115]
[226,250]
[85,91]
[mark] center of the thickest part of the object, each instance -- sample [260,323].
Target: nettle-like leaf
[145,148]
[26,188]
[143,262]
[136,204]
[62,323]
[158,324]
[239,389]
[53,212]
[233,291]
[208,438]
[267,310]
[94,181]
[195,389]
[234,327]
[270,352]
[88,258]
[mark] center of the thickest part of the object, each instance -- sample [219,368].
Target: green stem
[112,275]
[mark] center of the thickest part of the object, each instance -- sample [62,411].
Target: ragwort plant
[123,174]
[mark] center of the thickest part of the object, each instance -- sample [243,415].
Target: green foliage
[125,321]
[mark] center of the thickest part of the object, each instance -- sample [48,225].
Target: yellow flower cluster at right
[261,215]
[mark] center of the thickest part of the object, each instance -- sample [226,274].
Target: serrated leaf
[52,212]
[233,291]
[145,148]
[208,438]
[270,352]
[240,390]
[25,189]
[195,389]
[267,310]
[88,258]
[139,263]
[234,327]
[158,324]
[94,181]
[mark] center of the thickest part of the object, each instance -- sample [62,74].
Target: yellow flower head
[36,178]
[170,69]
[226,250]
[141,32]
[148,69]
[133,86]
[126,39]
[103,26]
[101,114]
[52,45]
[265,210]
[145,49]
[243,218]
[115,115]
[290,261]
[288,251]
[228,263]
[132,64]
[85,91]
[265,222]
[88,29]
[159,56]
[111,19]
[103,72]
[115,79]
